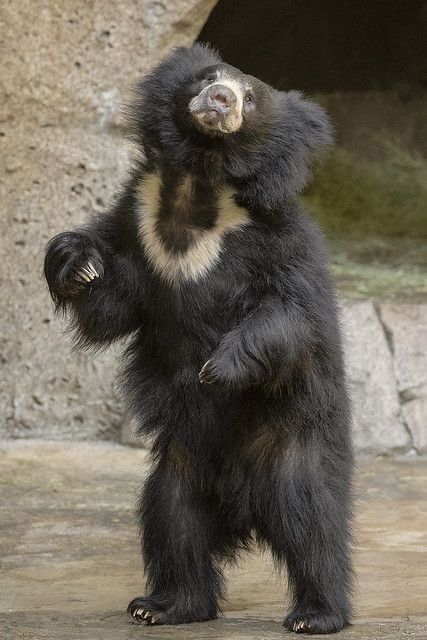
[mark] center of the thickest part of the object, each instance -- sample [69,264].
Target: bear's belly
[166,400]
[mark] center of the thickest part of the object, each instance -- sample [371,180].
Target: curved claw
[301,626]
[83,277]
[92,269]
[86,271]
[203,378]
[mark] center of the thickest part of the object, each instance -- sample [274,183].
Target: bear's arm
[263,348]
[94,274]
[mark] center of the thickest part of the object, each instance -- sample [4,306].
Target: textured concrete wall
[65,68]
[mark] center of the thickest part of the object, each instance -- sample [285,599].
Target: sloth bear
[234,363]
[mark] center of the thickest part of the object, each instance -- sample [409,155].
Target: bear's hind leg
[305,520]
[177,538]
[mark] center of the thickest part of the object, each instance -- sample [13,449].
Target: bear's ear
[306,124]
[305,129]
[180,64]
[299,129]
[157,88]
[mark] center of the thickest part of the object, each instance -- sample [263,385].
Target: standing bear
[234,361]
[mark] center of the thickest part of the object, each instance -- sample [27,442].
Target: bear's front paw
[71,263]
[207,375]
[231,365]
[218,370]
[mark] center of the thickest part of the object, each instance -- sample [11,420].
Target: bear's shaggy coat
[234,363]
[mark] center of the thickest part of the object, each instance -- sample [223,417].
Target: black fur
[259,446]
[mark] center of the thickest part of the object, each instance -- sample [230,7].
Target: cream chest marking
[205,249]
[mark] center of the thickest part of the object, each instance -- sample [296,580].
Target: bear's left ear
[305,121]
[298,130]
[305,129]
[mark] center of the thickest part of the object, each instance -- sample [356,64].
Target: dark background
[323,46]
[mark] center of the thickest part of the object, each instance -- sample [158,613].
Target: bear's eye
[248,98]
[211,77]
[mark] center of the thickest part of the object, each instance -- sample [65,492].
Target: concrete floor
[70,560]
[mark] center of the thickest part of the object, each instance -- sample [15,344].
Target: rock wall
[65,69]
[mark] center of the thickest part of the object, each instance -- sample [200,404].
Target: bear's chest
[182,225]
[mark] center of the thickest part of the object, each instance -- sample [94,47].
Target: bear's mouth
[210,117]
[218,108]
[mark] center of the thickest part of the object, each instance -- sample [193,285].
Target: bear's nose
[222,96]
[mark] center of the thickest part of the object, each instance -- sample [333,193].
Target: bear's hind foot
[153,611]
[316,622]
[146,608]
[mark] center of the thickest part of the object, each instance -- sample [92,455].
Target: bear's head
[196,113]
[222,100]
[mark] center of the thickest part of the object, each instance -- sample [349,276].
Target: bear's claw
[87,273]
[203,375]
[314,622]
[145,610]
[300,627]
[92,269]
[145,615]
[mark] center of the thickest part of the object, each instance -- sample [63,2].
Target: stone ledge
[71,560]
[406,327]
[377,419]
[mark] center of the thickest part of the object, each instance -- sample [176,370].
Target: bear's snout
[218,107]
[221,97]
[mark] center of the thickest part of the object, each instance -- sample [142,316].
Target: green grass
[386,197]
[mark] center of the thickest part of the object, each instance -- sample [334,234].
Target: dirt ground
[70,560]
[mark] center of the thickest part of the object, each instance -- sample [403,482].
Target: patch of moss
[356,197]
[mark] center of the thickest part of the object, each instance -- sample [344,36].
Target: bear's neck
[187,204]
